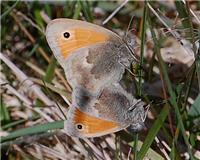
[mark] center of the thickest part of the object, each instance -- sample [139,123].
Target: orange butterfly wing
[79,37]
[79,34]
[90,126]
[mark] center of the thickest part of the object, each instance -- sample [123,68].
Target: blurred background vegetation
[166,35]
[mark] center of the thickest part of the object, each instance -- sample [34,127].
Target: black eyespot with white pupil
[79,126]
[66,35]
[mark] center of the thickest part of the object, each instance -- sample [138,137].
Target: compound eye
[66,34]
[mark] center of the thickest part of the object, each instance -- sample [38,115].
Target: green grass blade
[4,114]
[33,130]
[174,104]
[198,65]
[39,19]
[153,132]
[151,153]
[194,110]
[171,93]
[47,9]
[188,84]
[185,17]
[33,50]
[143,37]
[86,10]
[17,122]
[77,10]
[50,71]
[9,10]
[182,13]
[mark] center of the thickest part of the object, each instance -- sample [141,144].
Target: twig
[197,18]
[107,157]
[27,102]
[174,33]
[52,152]
[161,148]
[26,140]
[80,145]
[129,153]
[23,78]
[12,90]
[57,88]
[45,17]
[35,68]
[115,12]
[29,20]
[95,149]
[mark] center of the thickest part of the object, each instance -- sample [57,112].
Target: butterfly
[94,60]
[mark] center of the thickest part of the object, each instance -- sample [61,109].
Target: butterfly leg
[127,69]
[135,104]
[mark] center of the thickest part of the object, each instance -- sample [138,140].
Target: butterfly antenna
[161,102]
[46,88]
[126,34]
[129,26]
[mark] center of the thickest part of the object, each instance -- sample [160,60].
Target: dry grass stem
[115,12]
[25,80]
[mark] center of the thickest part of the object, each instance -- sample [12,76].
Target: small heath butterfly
[94,60]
